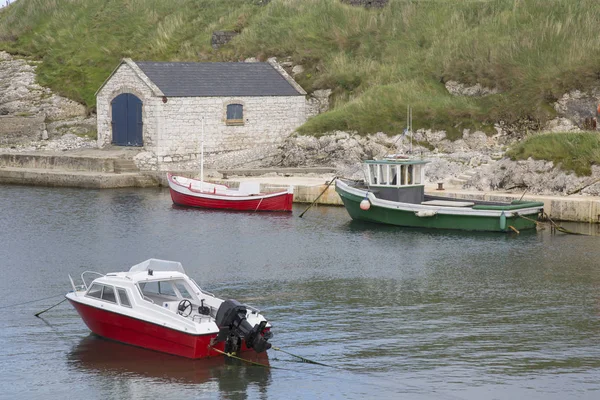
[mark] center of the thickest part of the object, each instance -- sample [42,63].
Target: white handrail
[88,272]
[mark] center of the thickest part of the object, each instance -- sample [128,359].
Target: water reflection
[119,362]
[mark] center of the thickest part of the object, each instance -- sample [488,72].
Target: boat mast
[410,130]
[409,125]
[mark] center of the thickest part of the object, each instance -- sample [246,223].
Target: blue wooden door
[127,120]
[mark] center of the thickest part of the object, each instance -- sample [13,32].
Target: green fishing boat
[393,193]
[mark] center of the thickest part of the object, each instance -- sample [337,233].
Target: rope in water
[49,308]
[552,224]
[32,301]
[306,360]
[231,355]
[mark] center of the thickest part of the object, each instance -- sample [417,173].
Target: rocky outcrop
[317,102]
[459,89]
[219,38]
[580,108]
[536,177]
[30,112]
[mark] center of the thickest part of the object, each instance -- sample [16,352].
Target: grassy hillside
[575,152]
[376,61]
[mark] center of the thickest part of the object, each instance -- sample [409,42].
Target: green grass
[376,61]
[575,152]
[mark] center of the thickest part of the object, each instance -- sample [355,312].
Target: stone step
[124,166]
[54,161]
[81,179]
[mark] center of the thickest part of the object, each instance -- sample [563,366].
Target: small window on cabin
[183,290]
[372,172]
[95,291]
[166,288]
[394,170]
[108,294]
[158,287]
[385,174]
[123,298]
[403,174]
[149,287]
[235,114]
[410,175]
[417,172]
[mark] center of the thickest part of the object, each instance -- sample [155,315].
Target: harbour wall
[103,171]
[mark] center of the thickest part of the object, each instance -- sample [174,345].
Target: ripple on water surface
[393,311]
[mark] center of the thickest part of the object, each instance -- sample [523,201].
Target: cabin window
[123,298]
[372,174]
[157,288]
[183,290]
[235,114]
[95,291]
[394,171]
[108,294]
[385,174]
[403,174]
[417,174]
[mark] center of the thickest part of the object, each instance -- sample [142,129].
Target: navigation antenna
[409,125]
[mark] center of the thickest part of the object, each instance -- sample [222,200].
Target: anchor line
[32,301]
[231,355]
[306,360]
[256,209]
[553,225]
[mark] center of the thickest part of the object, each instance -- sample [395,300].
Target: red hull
[147,335]
[281,202]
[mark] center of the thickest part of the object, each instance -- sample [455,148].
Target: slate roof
[190,79]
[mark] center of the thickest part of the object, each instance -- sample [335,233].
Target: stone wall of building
[172,129]
[125,80]
[267,120]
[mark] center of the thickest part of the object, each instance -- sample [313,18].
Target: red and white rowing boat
[155,305]
[196,193]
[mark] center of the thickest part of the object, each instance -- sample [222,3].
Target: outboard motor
[231,320]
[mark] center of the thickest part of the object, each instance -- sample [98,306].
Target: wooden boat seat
[448,203]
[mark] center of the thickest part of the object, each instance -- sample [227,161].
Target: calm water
[396,313]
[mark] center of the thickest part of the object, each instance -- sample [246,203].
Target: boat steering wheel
[184,308]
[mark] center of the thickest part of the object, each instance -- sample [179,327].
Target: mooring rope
[306,360]
[256,209]
[303,359]
[32,301]
[317,198]
[231,355]
[49,308]
[553,225]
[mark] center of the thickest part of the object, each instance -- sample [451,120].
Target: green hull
[389,216]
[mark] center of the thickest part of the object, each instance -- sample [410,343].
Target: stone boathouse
[161,107]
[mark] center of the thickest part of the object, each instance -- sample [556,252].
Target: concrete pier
[92,168]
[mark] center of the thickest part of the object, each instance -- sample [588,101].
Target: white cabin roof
[155,264]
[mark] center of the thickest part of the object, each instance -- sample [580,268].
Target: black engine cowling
[232,323]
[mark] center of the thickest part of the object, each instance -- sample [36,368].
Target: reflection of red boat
[197,193]
[155,305]
[113,359]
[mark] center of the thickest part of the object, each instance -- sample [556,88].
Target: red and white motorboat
[197,193]
[155,305]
